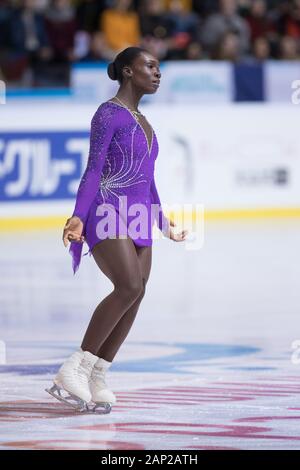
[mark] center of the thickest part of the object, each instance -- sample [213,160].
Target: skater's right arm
[102,129]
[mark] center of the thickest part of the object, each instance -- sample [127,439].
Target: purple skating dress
[119,174]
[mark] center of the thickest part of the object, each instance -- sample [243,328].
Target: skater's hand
[176,237]
[73,231]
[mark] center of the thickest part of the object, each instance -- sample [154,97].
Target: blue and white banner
[186,82]
[199,82]
[181,82]
[41,165]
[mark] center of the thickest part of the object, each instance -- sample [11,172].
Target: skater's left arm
[164,224]
[161,220]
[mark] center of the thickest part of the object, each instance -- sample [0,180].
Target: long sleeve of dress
[162,221]
[102,130]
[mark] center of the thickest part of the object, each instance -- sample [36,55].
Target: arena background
[211,361]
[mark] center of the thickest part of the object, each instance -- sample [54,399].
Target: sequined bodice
[129,163]
[148,130]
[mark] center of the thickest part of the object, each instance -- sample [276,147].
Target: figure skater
[123,149]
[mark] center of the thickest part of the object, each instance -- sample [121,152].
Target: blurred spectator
[154,21]
[183,21]
[261,49]
[289,49]
[120,26]
[98,49]
[228,47]
[61,28]
[280,15]
[29,44]
[259,22]
[292,20]
[82,42]
[156,27]
[88,13]
[185,4]
[205,7]
[40,39]
[185,27]
[5,16]
[226,21]
[27,29]
[194,51]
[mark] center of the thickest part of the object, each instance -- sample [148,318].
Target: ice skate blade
[101,408]
[79,405]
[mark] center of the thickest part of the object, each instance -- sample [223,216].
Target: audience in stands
[40,39]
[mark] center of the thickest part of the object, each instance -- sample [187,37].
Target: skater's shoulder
[106,111]
[111,105]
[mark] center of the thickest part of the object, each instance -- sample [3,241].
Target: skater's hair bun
[125,57]
[111,71]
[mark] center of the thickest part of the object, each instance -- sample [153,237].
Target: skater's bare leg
[118,260]
[112,344]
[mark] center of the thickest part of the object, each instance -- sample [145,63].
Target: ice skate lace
[83,372]
[98,375]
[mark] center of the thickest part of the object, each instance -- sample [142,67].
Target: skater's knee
[130,289]
[143,287]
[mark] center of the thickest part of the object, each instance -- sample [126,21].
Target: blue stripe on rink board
[39,93]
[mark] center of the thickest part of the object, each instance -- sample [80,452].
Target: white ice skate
[101,395]
[73,378]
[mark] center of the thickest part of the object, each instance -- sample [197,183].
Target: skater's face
[144,73]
